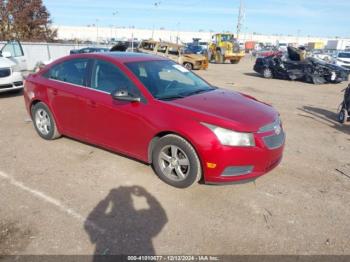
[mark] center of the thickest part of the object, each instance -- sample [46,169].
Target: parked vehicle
[290,67]
[315,45]
[11,78]
[224,47]
[282,47]
[15,53]
[198,42]
[89,50]
[154,110]
[323,55]
[342,59]
[125,46]
[338,44]
[344,111]
[195,49]
[249,46]
[176,53]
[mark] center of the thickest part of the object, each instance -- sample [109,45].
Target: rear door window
[72,71]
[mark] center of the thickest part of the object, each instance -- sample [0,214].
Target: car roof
[125,57]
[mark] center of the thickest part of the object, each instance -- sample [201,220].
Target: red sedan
[154,110]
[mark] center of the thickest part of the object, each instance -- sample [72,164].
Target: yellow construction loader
[224,47]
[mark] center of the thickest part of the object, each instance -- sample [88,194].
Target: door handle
[55,92]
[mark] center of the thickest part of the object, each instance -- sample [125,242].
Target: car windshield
[344,55]
[226,38]
[166,80]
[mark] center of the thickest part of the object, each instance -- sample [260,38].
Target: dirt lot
[66,197]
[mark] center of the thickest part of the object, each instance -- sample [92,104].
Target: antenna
[240,18]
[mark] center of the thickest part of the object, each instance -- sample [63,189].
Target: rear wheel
[234,61]
[44,122]
[267,73]
[343,116]
[176,162]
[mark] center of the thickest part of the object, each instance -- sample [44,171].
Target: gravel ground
[67,197]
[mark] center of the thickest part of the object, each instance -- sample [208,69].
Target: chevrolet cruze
[154,110]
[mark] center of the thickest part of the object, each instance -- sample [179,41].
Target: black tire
[184,151]
[343,116]
[234,61]
[188,66]
[50,132]
[219,58]
[267,73]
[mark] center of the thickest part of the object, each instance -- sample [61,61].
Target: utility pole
[156,5]
[240,18]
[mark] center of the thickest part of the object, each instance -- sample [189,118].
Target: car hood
[5,62]
[336,67]
[228,109]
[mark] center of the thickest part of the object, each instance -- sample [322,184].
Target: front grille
[274,141]
[237,171]
[5,72]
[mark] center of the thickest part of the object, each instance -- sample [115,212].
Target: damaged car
[175,52]
[292,66]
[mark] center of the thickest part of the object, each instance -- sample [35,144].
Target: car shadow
[325,116]
[117,226]
[253,74]
[11,94]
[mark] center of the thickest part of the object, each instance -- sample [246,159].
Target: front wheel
[44,122]
[219,58]
[343,116]
[188,66]
[176,162]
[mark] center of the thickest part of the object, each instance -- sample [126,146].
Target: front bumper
[11,83]
[244,163]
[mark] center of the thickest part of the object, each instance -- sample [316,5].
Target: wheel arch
[161,134]
[36,101]
[32,104]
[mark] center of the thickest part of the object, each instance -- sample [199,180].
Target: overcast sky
[309,17]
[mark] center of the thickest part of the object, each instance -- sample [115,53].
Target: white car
[11,78]
[343,59]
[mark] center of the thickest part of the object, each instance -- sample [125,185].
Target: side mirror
[123,95]
[6,54]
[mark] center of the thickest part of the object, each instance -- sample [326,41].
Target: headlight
[231,138]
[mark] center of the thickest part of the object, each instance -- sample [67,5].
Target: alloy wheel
[174,163]
[42,121]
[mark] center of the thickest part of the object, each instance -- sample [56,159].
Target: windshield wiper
[165,98]
[199,91]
